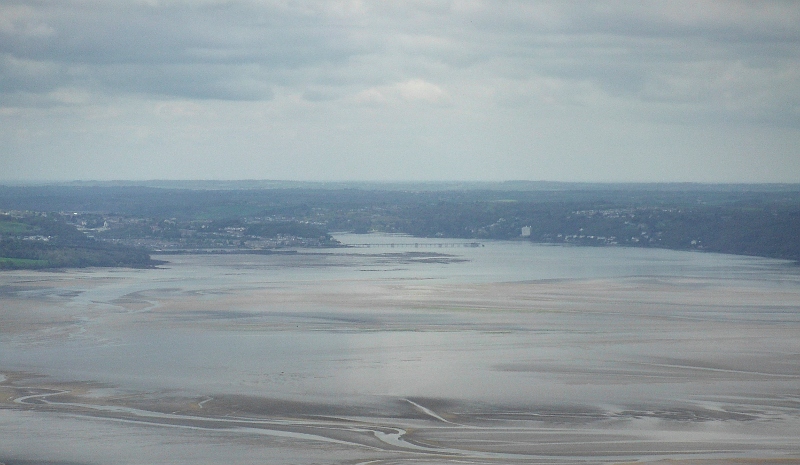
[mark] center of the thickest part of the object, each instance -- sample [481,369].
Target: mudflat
[392,358]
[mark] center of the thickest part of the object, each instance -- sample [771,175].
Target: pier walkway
[417,245]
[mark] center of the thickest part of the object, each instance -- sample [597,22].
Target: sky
[415,90]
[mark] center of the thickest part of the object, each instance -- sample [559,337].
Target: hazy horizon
[509,184]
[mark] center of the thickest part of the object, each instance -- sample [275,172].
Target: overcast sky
[400,90]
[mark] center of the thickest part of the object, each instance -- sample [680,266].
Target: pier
[416,245]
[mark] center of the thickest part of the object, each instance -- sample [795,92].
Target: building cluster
[157,235]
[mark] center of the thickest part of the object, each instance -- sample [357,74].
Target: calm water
[680,353]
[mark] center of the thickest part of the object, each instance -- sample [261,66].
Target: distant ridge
[745,219]
[421,186]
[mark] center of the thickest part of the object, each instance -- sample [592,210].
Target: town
[41,225]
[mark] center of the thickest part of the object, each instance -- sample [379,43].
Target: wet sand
[335,364]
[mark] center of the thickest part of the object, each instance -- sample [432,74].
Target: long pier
[417,245]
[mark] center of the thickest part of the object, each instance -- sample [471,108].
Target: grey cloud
[320,95]
[110,33]
[242,50]
[207,81]
[28,75]
[229,50]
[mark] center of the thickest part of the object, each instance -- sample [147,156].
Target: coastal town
[60,226]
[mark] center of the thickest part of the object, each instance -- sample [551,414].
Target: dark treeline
[221,204]
[28,254]
[761,220]
[769,231]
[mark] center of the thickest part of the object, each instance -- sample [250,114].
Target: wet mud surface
[284,359]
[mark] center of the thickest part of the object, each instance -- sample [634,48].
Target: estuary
[405,352]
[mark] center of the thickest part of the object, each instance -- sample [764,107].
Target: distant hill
[761,219]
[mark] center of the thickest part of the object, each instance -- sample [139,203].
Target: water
[405,355]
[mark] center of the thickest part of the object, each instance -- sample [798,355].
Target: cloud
[371,96]
[419,90]
[411,91]
[26,75]
[217,50]
[245,50]
[520,76]
[21,20]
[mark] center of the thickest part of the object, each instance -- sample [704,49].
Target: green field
[13,227]
[21,263]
